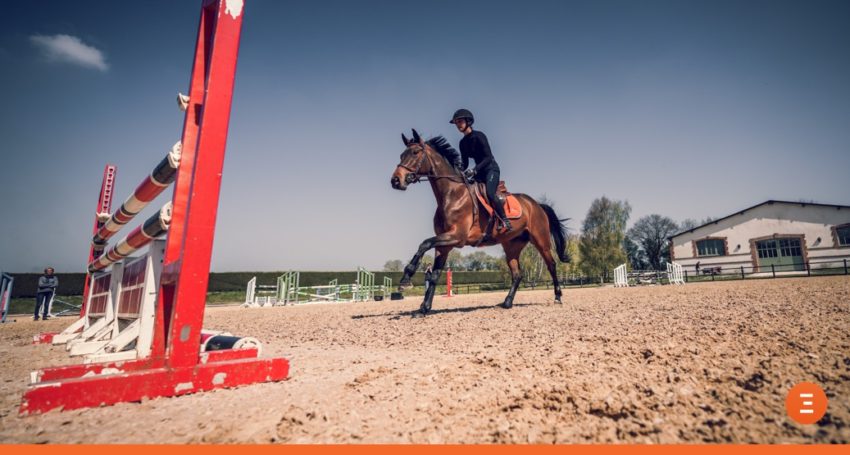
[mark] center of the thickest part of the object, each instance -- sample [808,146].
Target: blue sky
[687,109]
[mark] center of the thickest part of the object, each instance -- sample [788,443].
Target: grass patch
[26,305]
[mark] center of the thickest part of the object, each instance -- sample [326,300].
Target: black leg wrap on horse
[429,293]
[411,267]
[409,270]
[509,300]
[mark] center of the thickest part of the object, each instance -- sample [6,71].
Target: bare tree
[689,223]
[637,258]
[650,234]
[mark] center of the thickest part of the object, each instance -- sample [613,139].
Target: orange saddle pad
[512,208]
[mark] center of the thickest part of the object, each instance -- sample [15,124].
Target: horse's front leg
[440,258]
[447,239]
[413,265]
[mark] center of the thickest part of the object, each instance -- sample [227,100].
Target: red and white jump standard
[174,363]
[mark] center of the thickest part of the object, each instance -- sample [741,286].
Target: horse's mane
[442,146]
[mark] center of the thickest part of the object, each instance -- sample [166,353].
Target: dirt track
[700,363]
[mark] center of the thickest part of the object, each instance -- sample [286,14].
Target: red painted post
[449,283]
[190,262]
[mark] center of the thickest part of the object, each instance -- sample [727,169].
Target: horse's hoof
[404,285]
[506,305]
[418,314]
[559,302]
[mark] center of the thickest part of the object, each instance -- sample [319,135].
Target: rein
[454,178]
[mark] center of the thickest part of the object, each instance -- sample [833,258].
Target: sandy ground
[701,363]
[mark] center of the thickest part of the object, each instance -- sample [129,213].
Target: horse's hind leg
[543,243]
[513,249]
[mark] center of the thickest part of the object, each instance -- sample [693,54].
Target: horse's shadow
[398,315]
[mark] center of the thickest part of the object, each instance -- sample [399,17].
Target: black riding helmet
[465,114]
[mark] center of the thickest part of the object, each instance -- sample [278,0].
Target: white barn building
[776,236]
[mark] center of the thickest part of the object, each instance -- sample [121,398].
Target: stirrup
[506,225]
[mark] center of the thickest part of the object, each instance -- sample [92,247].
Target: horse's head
[414,163]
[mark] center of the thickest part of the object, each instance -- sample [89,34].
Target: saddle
[511,204]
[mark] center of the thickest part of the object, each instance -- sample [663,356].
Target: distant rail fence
[808,268]
[801,269]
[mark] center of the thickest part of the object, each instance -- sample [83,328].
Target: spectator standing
[47,285]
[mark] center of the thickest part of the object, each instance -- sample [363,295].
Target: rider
[474,145]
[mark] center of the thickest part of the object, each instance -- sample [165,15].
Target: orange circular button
[806,403]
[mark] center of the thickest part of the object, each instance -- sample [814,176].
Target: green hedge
[26,284]
[72,283]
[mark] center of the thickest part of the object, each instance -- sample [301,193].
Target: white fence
[675,274]
[621,280]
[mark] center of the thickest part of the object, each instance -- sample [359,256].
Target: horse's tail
[559,233]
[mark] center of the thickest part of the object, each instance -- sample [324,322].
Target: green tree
[494,262]
[603,231]
[477,260]
[649,235]
[426,261]
[394,265]
[574,267]
[455,260]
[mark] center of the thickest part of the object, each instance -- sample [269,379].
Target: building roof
[768,202]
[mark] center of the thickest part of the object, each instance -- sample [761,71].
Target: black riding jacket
[475,145]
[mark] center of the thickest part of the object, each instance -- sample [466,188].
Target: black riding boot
[492,184]
[506,224]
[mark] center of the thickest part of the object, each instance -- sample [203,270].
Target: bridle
[417,177]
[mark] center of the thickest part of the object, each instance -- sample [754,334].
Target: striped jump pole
[152,228]
[160,178]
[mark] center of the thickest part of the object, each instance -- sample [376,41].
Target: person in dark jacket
[475,145]
[47,285]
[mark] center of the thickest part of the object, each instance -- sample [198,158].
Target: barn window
[790,247]
[842,233]
[767,249]
[711,247]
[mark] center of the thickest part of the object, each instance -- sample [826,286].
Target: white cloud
[70,49]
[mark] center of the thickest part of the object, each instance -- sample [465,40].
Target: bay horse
[459,221]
